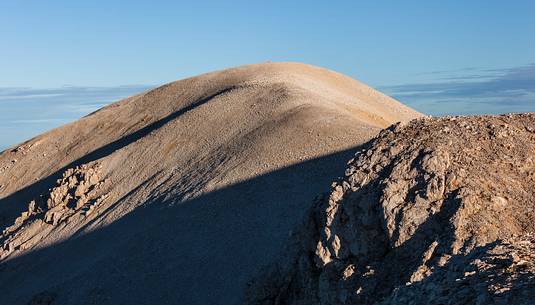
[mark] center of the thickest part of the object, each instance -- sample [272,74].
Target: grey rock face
[437,212]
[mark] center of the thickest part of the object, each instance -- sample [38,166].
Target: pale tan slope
[261,92]
[222,152]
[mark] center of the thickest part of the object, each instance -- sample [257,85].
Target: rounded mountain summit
[181,194]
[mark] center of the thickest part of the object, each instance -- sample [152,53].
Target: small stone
[349,271]
[469,273]
[522,263]
[323,255]
[32,207]
[499,202]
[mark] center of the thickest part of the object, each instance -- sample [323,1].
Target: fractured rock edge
[437,211]
[77,194]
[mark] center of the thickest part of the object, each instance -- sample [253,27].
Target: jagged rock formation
[180,194]
[440,211]
[77,194]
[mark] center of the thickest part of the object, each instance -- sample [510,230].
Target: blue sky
[60,60]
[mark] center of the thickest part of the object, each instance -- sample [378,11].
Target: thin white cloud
[485,91]
[38,121]
[26,112]
[72,92]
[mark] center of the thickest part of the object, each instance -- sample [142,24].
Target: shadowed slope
[200,251]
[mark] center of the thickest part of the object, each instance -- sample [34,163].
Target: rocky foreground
[440,211]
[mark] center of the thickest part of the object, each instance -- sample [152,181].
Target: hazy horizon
[62,60]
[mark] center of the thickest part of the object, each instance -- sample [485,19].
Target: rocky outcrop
[77,193]
[439,211]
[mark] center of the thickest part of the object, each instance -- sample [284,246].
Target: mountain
[437,211]
[181,194]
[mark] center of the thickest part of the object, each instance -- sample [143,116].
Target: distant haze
[27,112]
[63,59]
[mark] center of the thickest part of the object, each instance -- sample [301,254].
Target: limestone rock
[438,211]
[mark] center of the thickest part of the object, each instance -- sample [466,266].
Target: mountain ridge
[131,184]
